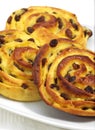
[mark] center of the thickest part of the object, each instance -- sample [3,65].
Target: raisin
[53,43]
[31,39]
[68,33]
[2,41]
[71,21]
[88,33]
[24,10]
[45,83]
[93,108]
[0,60]
[18,40]
[54,86]
[44,60]
[70,78]
[76,66]
[65,96]
[40,19]
[85,108]
[74,25]
[67,76]
[9,20]
[54,12]
[49,66]
[17,17]
[1,80]
[89,89]
[24,86]
[1,69]
[55,80]
[13,75]
[30,29]
[60,23]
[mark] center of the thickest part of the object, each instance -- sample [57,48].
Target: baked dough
[63,72]
[65,77]
[58,21]
[17,54]
[39,37]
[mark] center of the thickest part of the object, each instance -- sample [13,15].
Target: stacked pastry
[65,77]
[57,21]
[17,53]
[43,55]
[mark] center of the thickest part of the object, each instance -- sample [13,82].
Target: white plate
[39,111]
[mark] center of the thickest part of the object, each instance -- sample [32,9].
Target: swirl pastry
[17,54]
[65,76]
[58,21]
[39,37]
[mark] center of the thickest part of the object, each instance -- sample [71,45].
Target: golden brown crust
[19,50]
[63,73]
[58,21]
[65,77]
[17,54]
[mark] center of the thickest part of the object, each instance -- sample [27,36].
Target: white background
[84,9]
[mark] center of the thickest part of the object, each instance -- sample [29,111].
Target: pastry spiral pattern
[57,21]
[65,76]
[38,38]
[17,54]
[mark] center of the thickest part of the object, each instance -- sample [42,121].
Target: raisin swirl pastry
[17,53]
[65,76]
[58,21]
[39,37]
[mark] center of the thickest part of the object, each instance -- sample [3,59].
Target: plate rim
[41,118]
